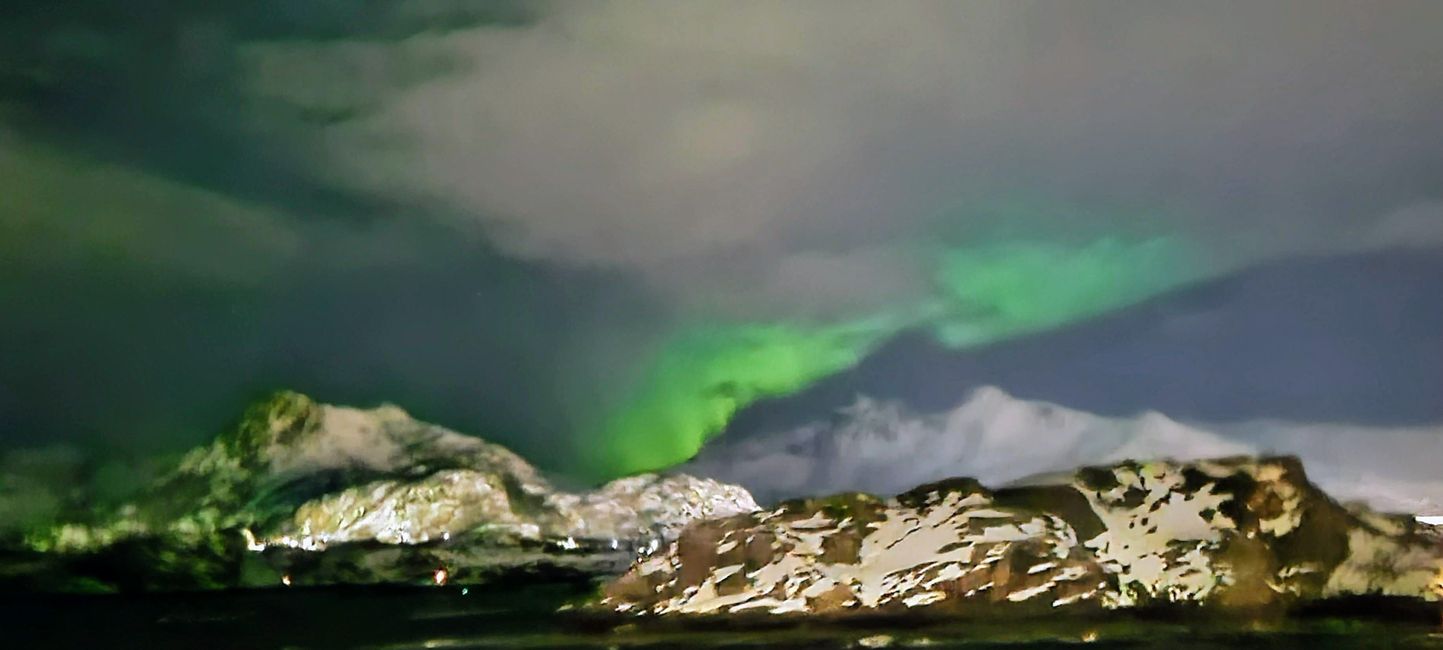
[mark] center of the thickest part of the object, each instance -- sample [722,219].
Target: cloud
[59,210]
[729,146]
[487,210]
[1417,225]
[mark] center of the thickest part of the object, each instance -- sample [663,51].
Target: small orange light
[440,576]
[286,579]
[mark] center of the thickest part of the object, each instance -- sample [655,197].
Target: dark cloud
[170,251]
[132,355]
[487,211]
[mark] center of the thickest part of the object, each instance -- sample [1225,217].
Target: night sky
[593,231]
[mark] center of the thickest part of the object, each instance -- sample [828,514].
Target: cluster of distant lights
[439,577]
[304,543]
[319,542]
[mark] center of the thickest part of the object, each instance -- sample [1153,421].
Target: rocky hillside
[1230,534]
[305,492]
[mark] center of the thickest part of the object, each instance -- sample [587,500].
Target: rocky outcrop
[306,492]
[1229,534]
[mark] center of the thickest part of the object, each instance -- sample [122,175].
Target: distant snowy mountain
[883,447]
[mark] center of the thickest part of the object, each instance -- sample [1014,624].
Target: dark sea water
[445,617]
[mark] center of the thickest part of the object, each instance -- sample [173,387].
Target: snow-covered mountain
[882,447]
[302,492]
[1232,536]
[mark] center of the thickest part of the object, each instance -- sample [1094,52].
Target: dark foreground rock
[1237,534]
[307,493]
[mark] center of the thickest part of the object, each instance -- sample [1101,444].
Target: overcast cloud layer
[776,148]
[485,210]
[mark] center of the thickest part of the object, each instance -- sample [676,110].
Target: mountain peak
[278,419]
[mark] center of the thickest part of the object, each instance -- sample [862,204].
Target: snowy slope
[882,447]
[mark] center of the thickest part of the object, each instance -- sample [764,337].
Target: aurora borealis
[594,231]
[702,376]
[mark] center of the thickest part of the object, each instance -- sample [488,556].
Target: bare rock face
[303,492]
[1231,534]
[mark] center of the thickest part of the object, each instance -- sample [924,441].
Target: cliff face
[1236,533]
[316,493]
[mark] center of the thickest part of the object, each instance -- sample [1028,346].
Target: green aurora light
[703,375]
